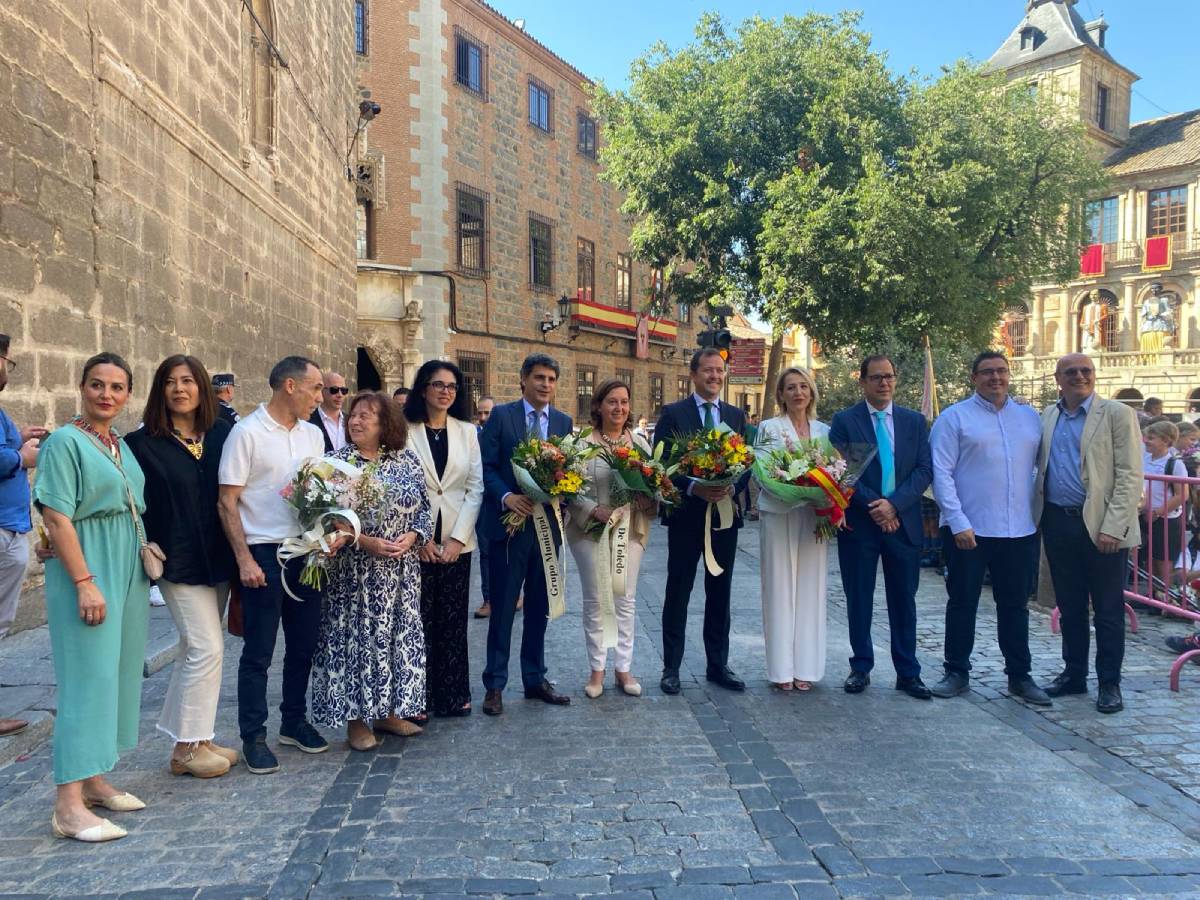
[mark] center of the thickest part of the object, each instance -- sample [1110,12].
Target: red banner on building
[1091,262]
[1157,254]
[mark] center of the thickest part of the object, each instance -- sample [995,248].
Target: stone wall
[137,212]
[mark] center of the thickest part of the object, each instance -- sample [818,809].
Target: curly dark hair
[414,404]
[393,430]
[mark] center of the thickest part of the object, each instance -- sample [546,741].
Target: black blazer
[680,418]
[315,419]
[181,506]
[505,429]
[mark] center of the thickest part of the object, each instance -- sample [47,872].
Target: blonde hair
[1165,430]
[807,378]
[1186,429]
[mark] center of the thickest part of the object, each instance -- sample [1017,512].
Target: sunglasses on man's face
[1077,370]
[338,390]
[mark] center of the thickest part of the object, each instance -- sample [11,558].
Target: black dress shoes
[951,685]
[547,694]
[1108,700]
[726,678]
[1027,689]
[914,687]
[1064,684]
[670,682]
[856,682]
[493,704]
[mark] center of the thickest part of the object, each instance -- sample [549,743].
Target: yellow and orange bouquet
[550,471]
[716,457]
[638,473]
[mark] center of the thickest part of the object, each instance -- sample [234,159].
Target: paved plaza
[708,794]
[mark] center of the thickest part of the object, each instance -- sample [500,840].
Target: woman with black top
[442,436]
[179,449]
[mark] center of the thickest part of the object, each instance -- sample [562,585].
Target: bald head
[1076,377]
[333,393]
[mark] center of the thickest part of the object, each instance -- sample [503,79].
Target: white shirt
[716,409]
[261,456]
[983,465]
[889,422]
[1158,490]
[335,428]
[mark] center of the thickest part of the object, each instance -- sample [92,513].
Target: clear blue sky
[1154,38]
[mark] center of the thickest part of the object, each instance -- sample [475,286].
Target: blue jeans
[262,610]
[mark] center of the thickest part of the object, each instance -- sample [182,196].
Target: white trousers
[189,711]
[794,573]
[14,560]
[585,551]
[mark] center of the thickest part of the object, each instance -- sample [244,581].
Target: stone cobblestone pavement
[709,794]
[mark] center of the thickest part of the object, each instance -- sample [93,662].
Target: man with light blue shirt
[984,454]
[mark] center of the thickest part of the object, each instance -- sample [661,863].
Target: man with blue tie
[984,454]
[515,561]
[884,521]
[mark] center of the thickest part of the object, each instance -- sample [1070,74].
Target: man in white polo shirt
[260,457]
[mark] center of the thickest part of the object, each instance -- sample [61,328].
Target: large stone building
[1136,309]
[484,231]
[172,178]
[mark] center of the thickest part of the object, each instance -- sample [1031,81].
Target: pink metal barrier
[1169,584]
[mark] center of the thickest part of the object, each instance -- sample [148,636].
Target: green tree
[784,168]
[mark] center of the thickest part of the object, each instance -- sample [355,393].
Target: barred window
[541,253]
[624,281]
[360,27]
[474,367]
[472,228]
[585,387]
[656,395]
[626,375]
[685,313]
[540,106]
[470,63]
[683,386]
[585,268]
[364,231]
[586,141]
[1168,211]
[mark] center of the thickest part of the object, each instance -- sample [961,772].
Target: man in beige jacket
[1089,483]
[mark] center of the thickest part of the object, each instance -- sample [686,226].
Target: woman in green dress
[97,600]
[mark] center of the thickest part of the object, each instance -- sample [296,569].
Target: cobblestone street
[709,794]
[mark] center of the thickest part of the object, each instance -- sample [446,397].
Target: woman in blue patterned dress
[369,668]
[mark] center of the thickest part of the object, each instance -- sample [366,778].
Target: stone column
[1036,312]
[1129,318]
[1066,323]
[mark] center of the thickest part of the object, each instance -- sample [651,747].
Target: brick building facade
[480,207]
[167,185]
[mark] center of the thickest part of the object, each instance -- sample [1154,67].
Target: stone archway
[1131,397]
[1098,321]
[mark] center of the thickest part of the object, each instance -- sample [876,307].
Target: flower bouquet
[812,473]
[549,471]
[716,457]
[322,491]
[636,472]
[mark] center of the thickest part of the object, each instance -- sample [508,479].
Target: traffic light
[719,339]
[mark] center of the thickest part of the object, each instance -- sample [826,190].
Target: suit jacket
[914,466]
[315,419]
[458,494]
[1111,470]
[506,428]
[680,418]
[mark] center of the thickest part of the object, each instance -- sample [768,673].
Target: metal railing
[1146,587]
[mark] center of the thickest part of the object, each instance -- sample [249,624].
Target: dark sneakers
[951,685]
[258,757]
[303,737]
[1184,644]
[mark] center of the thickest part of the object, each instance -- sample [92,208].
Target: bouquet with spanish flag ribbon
[714,457]
[812,473]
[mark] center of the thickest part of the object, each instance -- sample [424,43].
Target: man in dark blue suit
[515,561]
[884,520]
[685,530]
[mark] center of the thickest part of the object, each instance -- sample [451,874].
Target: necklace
[111,441]
[193,445]
[435,433]
[612,442]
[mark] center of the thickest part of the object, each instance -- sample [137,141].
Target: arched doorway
[1194,401]
[1014,330]
[1131,397]
[1099,322]
[368,376]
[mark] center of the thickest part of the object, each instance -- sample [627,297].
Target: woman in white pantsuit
[793,562]
[610,424]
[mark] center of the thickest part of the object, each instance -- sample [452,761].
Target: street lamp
[551,322]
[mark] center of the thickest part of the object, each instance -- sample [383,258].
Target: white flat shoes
[96,834]
[117,803]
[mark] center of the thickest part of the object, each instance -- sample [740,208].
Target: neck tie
[534,429]
[708,417]
[887,456]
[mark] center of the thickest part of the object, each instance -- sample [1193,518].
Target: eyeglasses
[988,373]
[879,379]
[338,390]
[11,363]
[448,386]
[1085,371]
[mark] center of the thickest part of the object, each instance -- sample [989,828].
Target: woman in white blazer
[793,562]
[447,444]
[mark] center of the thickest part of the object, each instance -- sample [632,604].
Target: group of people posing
[198,505]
